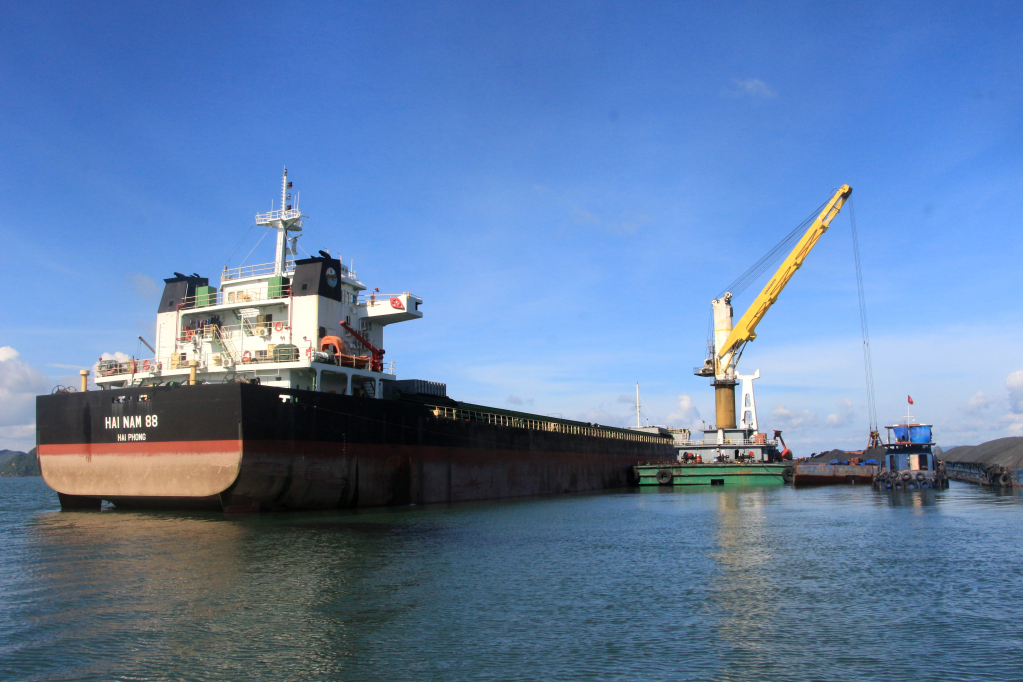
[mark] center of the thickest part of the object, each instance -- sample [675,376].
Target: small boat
[909,462]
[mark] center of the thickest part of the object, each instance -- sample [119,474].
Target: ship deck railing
[249,327]
[259,270]
[742,442]
[539,423]
[225,360]
[270,293]
[203,362]
[376,299]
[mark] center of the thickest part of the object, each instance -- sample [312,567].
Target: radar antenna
[284,221]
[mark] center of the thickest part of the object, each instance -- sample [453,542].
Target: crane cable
[753,273]
[742,282]
[867,363]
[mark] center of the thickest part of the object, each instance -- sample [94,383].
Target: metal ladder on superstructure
[225,345]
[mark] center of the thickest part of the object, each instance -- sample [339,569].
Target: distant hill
[8,454]
[15,463]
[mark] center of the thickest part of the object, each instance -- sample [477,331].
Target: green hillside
[20,464]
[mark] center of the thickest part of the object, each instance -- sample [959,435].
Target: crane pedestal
[724,403]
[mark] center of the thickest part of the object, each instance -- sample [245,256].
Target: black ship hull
[242,447]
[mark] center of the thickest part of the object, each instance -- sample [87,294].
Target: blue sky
[567,185]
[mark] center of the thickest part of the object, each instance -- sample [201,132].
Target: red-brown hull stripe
[137,449]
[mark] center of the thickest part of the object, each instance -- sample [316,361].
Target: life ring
[145,365]
[664,476]
[188,334]
[246,356]
[278,326]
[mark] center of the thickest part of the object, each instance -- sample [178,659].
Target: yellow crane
[729,341]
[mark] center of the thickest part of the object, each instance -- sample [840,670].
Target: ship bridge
[295,323]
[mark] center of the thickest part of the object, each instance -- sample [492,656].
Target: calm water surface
[743,584]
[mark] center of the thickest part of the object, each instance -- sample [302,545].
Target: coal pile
[1003,452]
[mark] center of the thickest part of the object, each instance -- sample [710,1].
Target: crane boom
[745,330]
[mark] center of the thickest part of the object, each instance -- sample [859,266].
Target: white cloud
[628,400]
[685,414]
[977,403]
[793,420]
[845,414]
[20,383]
[119,356]
[21,437]
[514,400]
[1014,384]
[1013,424]
[752,87]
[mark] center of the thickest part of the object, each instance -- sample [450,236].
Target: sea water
[835,583]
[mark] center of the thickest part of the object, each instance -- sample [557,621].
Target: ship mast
[284,221]
[639,425]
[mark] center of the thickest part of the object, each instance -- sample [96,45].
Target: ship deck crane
[729,341]
[377,362]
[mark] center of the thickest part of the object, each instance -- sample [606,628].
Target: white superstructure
[301,323]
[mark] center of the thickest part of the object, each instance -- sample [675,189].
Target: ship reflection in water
[763,583]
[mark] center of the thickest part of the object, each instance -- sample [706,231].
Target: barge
[748,473]
[838,467]
[272,392]
[996,464]
[727,456]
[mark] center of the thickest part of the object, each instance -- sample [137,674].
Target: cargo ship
[271,392]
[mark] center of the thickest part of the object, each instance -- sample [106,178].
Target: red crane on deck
[376,364]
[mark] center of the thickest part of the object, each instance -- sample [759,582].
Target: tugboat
[909,461]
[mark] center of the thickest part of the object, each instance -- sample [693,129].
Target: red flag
[910,399]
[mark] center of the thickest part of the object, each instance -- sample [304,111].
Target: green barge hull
[674,473]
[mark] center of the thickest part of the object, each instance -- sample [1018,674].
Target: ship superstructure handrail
[744,442]
[248,327]
[280,214]
[269,293]
[376,299]
[226,360]
[258,270]
[268,269]
[537,423]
